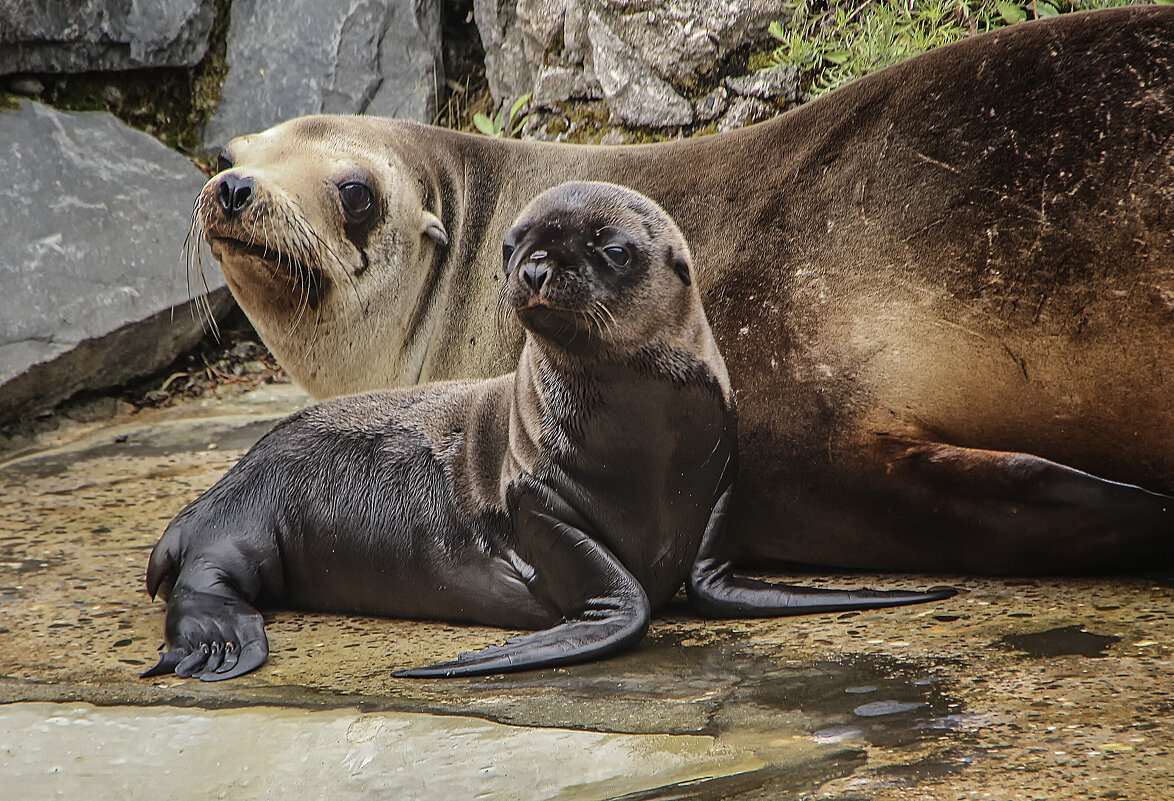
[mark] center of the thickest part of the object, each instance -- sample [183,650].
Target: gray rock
[682,39]
[95,290]
[556,84]
[712,105]
[296,57]
[781,83]
[30,87]
[633,93]
[521,37]
[744,111]
[673,40]
[99,35]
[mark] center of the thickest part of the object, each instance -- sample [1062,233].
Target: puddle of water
[838,734]
[83,751]
[878,708]
[720,688]
[1069,640]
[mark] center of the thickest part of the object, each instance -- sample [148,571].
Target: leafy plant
[506,123]
[832,42]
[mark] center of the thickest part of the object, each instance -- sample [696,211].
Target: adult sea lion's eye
[617,255]
[223,162]
[507,252]
[356,198]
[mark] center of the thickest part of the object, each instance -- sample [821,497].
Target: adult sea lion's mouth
[295,267]
[251,249]
[310,278]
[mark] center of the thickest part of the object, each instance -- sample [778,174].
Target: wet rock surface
[96,290]
[96,35]
[287,59]
[1018,689]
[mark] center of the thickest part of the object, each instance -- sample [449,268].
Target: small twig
[171,378]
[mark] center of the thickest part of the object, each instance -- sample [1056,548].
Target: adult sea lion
[945,292]
[575,495]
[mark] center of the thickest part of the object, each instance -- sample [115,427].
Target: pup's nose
[234,193]
[536,272]
[535,275]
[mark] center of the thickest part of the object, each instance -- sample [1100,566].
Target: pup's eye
[356,198]
[223,162]
[617,255]
[507,253]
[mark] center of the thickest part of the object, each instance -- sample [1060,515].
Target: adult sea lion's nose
[234,193]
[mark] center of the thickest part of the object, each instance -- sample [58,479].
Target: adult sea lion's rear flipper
[605,608]
[714,590]
[1029,510]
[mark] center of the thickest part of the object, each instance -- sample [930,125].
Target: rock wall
[648,61]
[287,59]
[97,35]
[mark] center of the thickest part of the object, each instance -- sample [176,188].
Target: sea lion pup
[945,291]
[575,495]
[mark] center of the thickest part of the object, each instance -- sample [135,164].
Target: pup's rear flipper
[211,636]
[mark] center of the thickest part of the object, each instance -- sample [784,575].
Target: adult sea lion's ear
[681,266]
[430,225]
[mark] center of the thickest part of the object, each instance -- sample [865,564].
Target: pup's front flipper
[604,608]
[714,590]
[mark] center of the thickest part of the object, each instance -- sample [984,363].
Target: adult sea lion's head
[317,223]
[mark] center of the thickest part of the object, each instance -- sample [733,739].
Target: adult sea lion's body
[575,495]
[945,292]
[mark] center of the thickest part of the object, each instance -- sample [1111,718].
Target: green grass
[832,42]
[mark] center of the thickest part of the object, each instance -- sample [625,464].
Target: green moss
[582,123]
[706,130]
[759,59]
[558,125]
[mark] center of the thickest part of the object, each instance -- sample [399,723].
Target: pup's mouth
[540,304]
[552,321]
